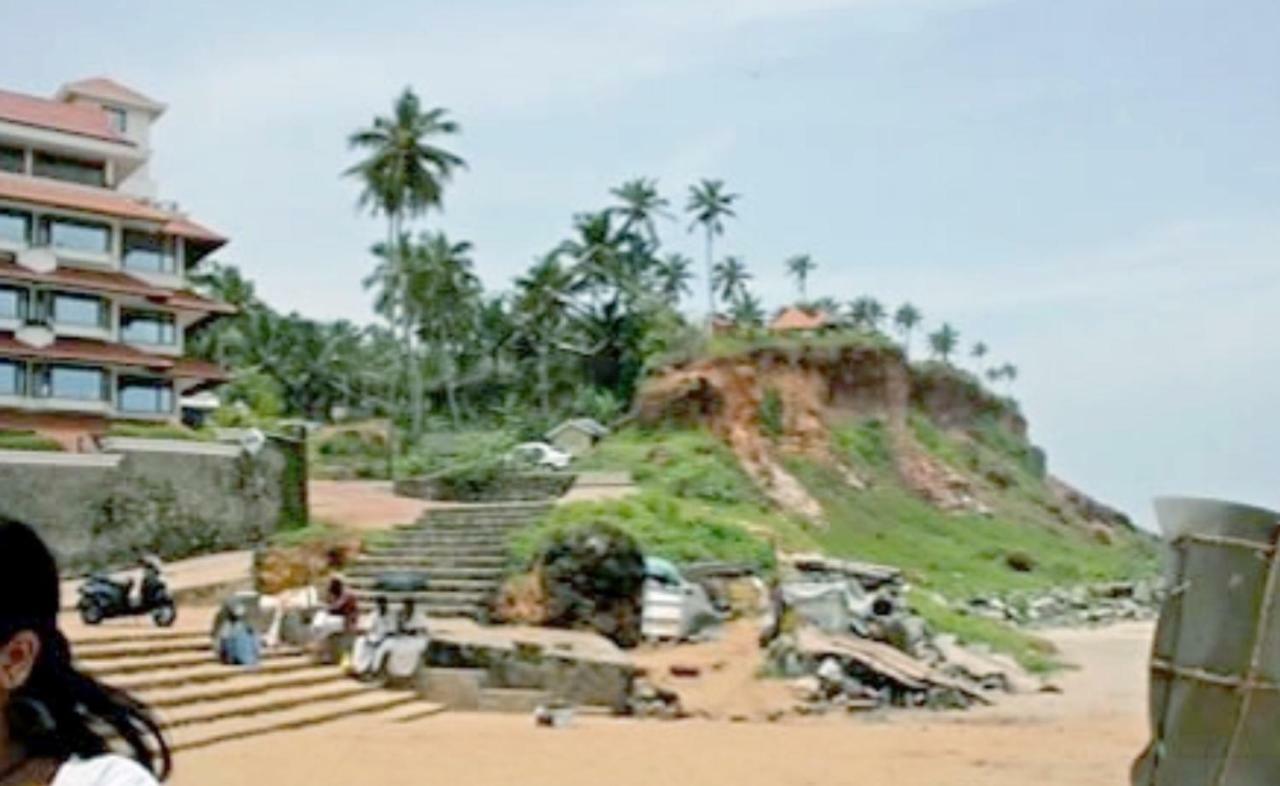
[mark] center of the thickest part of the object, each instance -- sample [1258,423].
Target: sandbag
[1215,664]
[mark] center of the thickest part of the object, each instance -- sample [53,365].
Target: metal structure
[1215,665]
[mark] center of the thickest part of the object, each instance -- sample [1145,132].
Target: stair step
[112,634]
[133,649]
[210,672]
[263,702]
[407,713]
[370,701]
[240,683]
[434,572]
[181,660]
[369,583]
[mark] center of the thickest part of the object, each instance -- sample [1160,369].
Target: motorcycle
[102,597]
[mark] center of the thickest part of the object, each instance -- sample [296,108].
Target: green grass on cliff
[693,489]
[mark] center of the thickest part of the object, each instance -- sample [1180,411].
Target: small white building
[577,436]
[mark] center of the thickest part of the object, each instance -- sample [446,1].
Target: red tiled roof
[102,87]
[84,350]
[76,119]
[103,202]
[793,318]
[115,282]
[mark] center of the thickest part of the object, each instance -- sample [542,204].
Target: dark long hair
[60,712]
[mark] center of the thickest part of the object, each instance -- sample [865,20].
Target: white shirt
[103,771]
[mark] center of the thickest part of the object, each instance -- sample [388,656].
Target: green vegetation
[1034,653]
[772,416]
[663,527]
[157,431]
[28,440]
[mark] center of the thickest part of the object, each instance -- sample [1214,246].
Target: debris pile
[1097,604]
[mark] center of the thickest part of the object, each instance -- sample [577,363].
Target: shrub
[156,431]
[593,576]
[28,440]
[772,416]
[1020,561]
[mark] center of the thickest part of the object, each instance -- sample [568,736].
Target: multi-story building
[95,300]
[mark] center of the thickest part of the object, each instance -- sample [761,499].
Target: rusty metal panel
[1215,665]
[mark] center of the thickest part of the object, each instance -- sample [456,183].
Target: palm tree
[729,277]
[403,175]
[444,300]
[906,319]
[944,341]
[979,352]
[641,203]
[710,204]
[746,310]
[866,313]
[674,273]
[799,267]
[541,314]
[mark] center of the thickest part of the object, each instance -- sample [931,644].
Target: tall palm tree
[867,313]
[674,273]
[944,341]
[403,174]
[444,299]
[640,205]
[710,205]
[907,318]
[799,267]
[729,277]
[542,317]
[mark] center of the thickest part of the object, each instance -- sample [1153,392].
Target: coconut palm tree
[403,174]
[674,272]
[710,205]
[907,318]
[542,318]
[443,273]
[640,205]
[944,341]
[866,313]
[729,277]
[746,310]
[799,267]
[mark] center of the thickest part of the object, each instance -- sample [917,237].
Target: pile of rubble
[849,642]
[1097,604]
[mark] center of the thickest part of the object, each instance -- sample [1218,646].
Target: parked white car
[540,454]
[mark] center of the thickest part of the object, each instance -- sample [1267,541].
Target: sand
[1085,736]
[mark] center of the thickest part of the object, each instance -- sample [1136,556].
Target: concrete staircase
[461,551]
[200,702]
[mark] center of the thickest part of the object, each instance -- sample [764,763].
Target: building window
[118,118]
[72,170]
[79,310]
[148,252]
[12,159]
[13,303]
[71,235]
[145,396]
[15,226]
[75,383]
[140,327]
[13,378]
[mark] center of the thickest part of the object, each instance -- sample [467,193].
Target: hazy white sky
[1092,187]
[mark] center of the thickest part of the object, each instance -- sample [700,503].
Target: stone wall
[101,511]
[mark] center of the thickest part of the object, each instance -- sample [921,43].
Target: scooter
[102,597]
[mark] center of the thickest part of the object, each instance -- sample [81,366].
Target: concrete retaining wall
[176,503]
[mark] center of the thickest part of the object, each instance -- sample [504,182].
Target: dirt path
[1084,737]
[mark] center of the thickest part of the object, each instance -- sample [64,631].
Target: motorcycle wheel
[164,616]
[91,613]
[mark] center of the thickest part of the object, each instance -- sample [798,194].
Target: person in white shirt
[52,717]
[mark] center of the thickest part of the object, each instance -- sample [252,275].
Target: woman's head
[46,705]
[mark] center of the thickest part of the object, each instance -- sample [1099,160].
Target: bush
[1020,561]
[156,431]
[593,576]
[772,416]
[28,440]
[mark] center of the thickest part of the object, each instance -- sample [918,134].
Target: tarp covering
[1215,666]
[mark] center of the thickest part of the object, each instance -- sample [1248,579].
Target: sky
[1092,187]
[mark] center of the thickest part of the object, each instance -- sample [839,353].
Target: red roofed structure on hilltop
[793,319]
[95,295]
